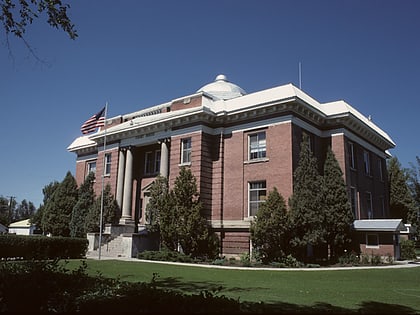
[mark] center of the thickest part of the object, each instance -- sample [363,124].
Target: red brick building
[239,146]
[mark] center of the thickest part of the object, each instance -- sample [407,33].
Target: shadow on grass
[179,284]
[215,289]
[45,287]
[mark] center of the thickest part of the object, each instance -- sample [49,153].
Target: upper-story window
[380,170]
[257,193]
[186,151]
[366,162]
[352,156]
[108,164]
[369,205]
[353,202]
[152,162]
[257,146]
[91,167]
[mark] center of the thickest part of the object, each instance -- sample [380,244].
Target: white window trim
[249,195]
[88,163]
[106,164]
[183,141]
[258,141]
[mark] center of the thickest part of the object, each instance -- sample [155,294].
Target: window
[366,162]
[382,200]
[148,163]
[108,164]
[91,167]
[381,174]
[352,160]
[257,194]
[372,240]
[157,161]
[186,151]
[152,162]
[369,207]
[353,201]
[257,146]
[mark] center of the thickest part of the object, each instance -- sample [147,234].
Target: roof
[234,102]
[379,225]
[21,224]
[221,88]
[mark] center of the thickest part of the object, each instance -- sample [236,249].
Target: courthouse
[239,146]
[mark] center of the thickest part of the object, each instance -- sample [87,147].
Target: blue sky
[135,54]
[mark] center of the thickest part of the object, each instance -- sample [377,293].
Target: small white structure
[23,227]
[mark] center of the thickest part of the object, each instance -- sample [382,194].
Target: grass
[350,289]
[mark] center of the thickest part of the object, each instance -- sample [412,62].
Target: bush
[41,247]
[408,250]
[349,259]
[375,260]
[165,255]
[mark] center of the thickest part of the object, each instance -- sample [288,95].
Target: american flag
[97,120]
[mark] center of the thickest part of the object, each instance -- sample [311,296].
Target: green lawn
[350,289]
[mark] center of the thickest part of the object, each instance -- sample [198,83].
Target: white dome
[221,88]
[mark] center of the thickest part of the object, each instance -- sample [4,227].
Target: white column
[120,181]
[164,158]
[128,189]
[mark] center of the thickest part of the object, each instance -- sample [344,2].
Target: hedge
[41,247]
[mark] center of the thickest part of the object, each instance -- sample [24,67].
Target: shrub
[165,255]
[41,247]
[408,249]
[375,260]
[349,259]
[291,262]
[245,260]
[48,287]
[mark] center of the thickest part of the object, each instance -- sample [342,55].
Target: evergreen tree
[306,204]
[336,207]
[413,216]
[6,211]
[160,213]
[402,204]
[192,227]
[86,198]
[110,211]
[269,229]
[57,212]
[48,191]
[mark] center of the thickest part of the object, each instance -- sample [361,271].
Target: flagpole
[102,189]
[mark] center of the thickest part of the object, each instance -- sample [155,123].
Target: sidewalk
[398,264]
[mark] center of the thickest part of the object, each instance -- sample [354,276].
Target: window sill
[185,164]
[262,160]
[372,246]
